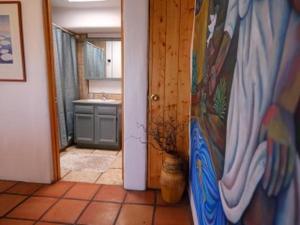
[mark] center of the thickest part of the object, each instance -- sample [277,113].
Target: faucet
[104,96]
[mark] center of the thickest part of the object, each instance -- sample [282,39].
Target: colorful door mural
[245,127]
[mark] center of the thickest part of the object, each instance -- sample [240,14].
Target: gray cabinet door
[106,130]
[84,125]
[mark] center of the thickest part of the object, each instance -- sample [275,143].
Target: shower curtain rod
[64,29]
[94,45]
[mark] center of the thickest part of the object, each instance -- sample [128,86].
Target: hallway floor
[83,203]
[91,166]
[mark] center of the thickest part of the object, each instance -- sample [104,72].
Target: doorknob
[155,98]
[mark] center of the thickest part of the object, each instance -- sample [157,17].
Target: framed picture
[12,62]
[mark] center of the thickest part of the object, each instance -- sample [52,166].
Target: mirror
[102,59]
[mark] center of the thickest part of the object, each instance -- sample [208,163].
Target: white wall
[85,20]
[105,86]
[25,145]
[135,91]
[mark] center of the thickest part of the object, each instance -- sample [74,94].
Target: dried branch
[164,134]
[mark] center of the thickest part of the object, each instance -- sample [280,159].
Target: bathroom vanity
[97,123]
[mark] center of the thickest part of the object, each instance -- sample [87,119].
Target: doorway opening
[86,62]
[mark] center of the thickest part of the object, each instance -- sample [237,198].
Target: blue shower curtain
[66,83]
[94,62]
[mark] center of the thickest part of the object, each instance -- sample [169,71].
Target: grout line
[34,221]
[155,205]
[121,207]
[39,219]
[125,196]
[29,194]
[103,201]
[88,204]
[19,219]
[98,178]
[66,174]
[97,192]
[94,151]
[5,191]
[140,204]
[25,199]
[57,200]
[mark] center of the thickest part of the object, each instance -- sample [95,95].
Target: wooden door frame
[47,11]
[47,15]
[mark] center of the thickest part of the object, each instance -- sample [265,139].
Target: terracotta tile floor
[86,204]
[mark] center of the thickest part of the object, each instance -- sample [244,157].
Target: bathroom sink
[98,101]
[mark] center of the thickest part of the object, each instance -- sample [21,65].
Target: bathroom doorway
[86,62]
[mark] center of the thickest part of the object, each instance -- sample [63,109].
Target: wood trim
[47,8]
[24,78]
[51,88]
[184,71]
[150,71]
[122,87]
[156,85]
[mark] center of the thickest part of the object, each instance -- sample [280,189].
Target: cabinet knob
[155,98]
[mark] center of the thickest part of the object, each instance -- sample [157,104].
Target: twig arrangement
[164,135]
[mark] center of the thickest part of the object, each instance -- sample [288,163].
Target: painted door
[170,37]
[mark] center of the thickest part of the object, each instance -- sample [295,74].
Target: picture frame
[12,59]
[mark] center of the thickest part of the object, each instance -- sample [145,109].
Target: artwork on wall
[12,62]
[245,165]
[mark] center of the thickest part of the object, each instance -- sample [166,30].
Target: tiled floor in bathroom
[86,204]
[91,166]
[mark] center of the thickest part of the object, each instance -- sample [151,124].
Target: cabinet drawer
[85,109]
[106,110]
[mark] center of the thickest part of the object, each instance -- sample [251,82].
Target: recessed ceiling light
[87,0]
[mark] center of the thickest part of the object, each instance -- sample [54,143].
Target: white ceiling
[88,17]
[100,4]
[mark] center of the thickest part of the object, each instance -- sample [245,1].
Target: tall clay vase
[172,179]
